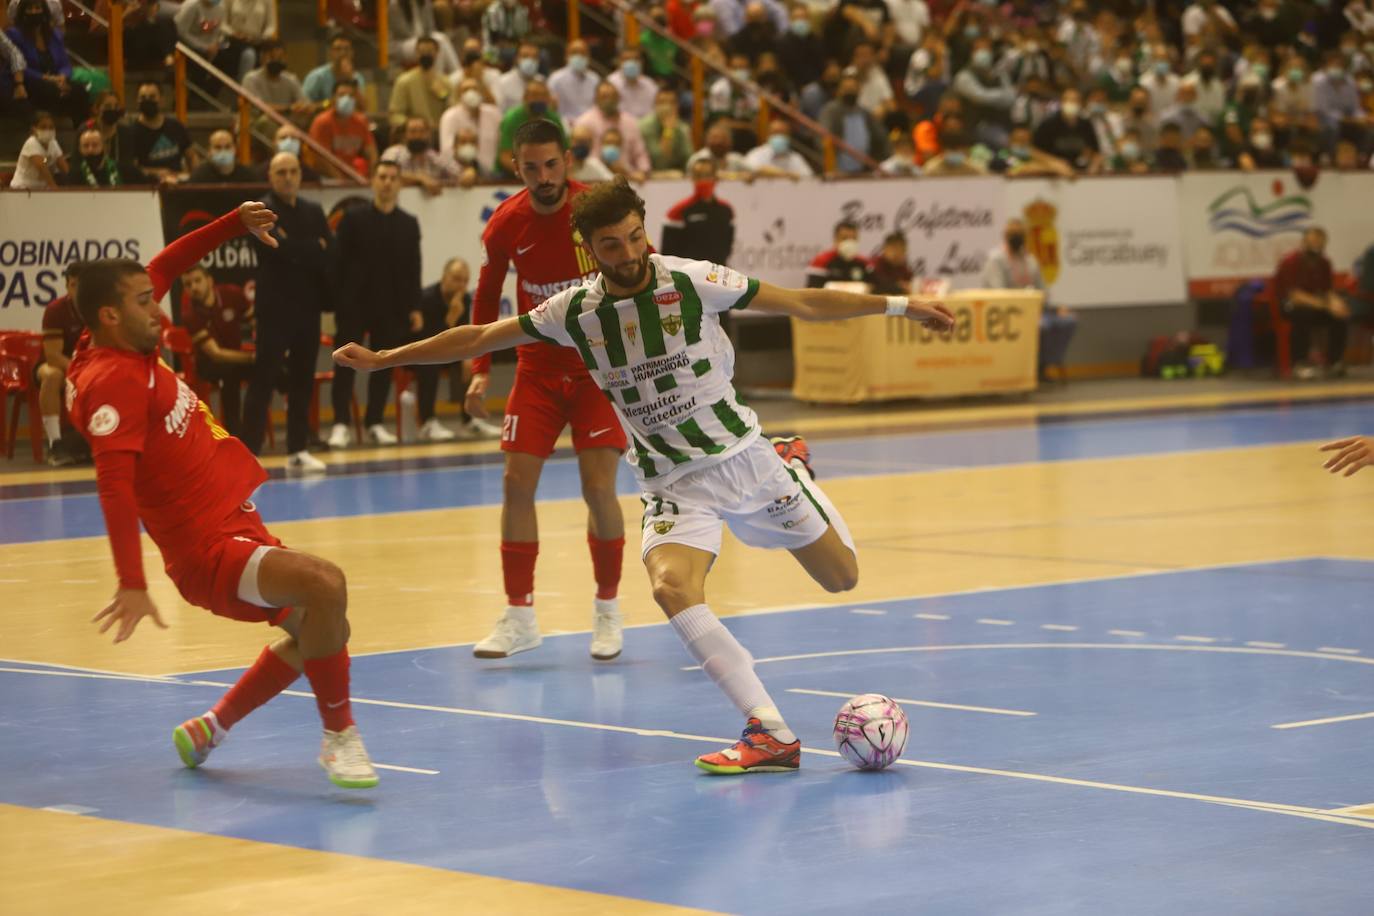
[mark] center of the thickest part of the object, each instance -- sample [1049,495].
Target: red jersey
[61,319]
[159,454]
[549,257]
[222,321]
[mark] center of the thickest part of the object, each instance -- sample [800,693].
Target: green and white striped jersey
[662,359]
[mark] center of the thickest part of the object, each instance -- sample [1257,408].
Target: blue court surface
[1099,747]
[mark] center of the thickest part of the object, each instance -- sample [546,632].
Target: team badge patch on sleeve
[104,421]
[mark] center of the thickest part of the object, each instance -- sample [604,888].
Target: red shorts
[208,575]
[540,405]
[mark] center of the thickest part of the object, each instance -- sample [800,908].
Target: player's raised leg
[831,559]
[677,574]
[606,540]
[518,629]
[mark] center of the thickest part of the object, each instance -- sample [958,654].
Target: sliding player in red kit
[552,389]
[161,458]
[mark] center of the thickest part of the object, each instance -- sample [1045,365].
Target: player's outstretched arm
[115,484]
[449,346]
[835,305]
[1351,454]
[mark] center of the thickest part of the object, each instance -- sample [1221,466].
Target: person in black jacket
[701,227]
[379,295]
[293,287]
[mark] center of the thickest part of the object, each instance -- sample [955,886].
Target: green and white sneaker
[196,738]
[345,759]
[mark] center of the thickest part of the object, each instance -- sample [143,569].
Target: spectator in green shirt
[665,136]
[537,104]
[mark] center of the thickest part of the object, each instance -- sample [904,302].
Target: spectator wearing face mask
[411,20]
[1259,152]
[665,136]
[475,66]
[1303,285]
[421,166]
[222,166]
[637,91]
[956,156]
[345,132]
[727,163]
[107,117]
[925,84]
[1011,266]
[471,112]
[702,226]
[1138,118]
[1210,96]
[536,106]
[47,71]
[758,34]
[287,139]
[1159,79]
[842,263]
[1129,157]
[510,88]
[1021,159]
[731,16]
[631,155]
[1069,136]
[574,84]
[731,102]
[799,50]
[845,118]
[319,83]
[158,143]
[278,86]
[465,156]
[586,167]
[902,162]
[1169,157]
[1292,91]
[421,91]
[987,95]
[1273,22]
[776,158]
[612,153]
[1184,111]
[1203,153]
[1335,97]
[92,168]
[40,159]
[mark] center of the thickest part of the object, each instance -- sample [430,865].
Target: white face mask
[472,98]
[848,249]
[466,152]
[45,136]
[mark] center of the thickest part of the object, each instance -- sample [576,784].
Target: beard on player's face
[631,275]
[549,192]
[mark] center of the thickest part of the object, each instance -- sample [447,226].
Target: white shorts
[765,502]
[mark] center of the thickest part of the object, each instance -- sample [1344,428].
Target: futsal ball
[870,731]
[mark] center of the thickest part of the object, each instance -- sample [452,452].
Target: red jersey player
[552,389]
[161,458]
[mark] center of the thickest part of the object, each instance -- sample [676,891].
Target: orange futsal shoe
[196,738]
[790,448]
[756,751]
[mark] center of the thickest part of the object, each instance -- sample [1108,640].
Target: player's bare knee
[842,577]
[670,591]
[518,488]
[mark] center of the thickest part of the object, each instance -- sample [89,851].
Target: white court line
[1362,715]
[1060,627]
[867,610]
[1316,814]
[401,769]
[95,675]
[989,709]
[1338,650]
[1267,645]
[1196,638]
[1125,633]
[925,616]
[995,622]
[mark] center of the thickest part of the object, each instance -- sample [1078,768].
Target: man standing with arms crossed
[552,389]
[161,459]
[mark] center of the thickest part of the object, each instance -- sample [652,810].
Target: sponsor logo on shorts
[663,527]
[672,323]
[668,297]
[784,504]
[104,421]
[794,522]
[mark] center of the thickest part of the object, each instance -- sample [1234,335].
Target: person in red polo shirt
[161,459]
[1303,285]
[215,314]
[61,328]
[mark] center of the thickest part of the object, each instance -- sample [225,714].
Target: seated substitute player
[648,329]
[215,315]
[162,459]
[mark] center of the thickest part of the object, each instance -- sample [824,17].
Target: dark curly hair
[605,204]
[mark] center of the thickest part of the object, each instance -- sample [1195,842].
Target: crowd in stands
[907,87]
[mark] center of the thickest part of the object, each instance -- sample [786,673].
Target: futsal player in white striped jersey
[648,329]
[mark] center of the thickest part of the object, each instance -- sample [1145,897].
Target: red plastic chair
[327,343]
[1282,327]
[20,352]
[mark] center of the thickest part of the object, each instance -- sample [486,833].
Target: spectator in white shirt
[510,88]
[420,165]
[1199,15]
[1292,91]
[637,91]
[902,162]
[1211,91]
[875,90]
[604,116]
[910,18]
[776,158]
[574,85]
[731,103]
[586,167]
[1159,80]
[728,163]
[40,159]
[474,114]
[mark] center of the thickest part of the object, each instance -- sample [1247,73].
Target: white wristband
[896,306]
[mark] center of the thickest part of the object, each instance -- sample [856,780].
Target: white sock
[53,427]
[729,665]
[524,613]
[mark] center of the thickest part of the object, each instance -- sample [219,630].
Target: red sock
[606,561]
[517,566]
[268,677]
[329,679]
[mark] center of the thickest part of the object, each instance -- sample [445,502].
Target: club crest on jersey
[631,330]
[663,527]
[672,323]
[104,421]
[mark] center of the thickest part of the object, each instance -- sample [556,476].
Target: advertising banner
[1238,226]
[1102,243]
[992,349]
[41,232]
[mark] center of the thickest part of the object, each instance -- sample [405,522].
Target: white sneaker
[607,630]
[340,436]
[305,463]
[516,631]
[345,759]
[478,428]
[434,431]
[377,434]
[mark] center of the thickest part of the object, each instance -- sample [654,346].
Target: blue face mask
[1020,152]
[954,157]
[631,69]
[223,159]
[801,27]
[289,145]
[610,154]
[528,66]
[578,62]
[982,58]
[780,143]
[345,105]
